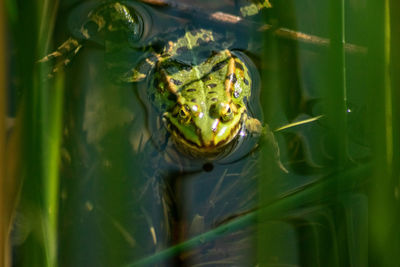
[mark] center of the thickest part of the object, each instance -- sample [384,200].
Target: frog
[202,96]
[200,87]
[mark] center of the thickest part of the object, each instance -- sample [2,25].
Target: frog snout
[207,138]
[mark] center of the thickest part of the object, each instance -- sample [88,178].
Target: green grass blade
[51,141]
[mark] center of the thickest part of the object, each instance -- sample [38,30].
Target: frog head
[202,131]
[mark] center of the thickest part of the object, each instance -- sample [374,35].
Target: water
[126,193]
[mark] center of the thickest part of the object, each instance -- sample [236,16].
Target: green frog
[202,93]
[200,87]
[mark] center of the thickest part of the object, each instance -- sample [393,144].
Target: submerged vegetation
[307,99]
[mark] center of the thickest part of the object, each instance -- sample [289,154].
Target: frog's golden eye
[226,113]
[184,115]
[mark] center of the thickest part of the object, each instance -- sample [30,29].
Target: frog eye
[184,115]
[226,113]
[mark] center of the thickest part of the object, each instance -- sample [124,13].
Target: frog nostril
[184,115]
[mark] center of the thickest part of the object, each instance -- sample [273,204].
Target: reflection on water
[128,193]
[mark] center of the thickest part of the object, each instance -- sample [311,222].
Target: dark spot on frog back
[206,78]
[219,65]
[176,82]
[239,66]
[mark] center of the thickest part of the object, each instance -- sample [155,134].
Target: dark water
[127,193]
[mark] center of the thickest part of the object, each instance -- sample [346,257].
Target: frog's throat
[187,145]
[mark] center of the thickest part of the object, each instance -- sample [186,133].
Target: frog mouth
[192,148]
